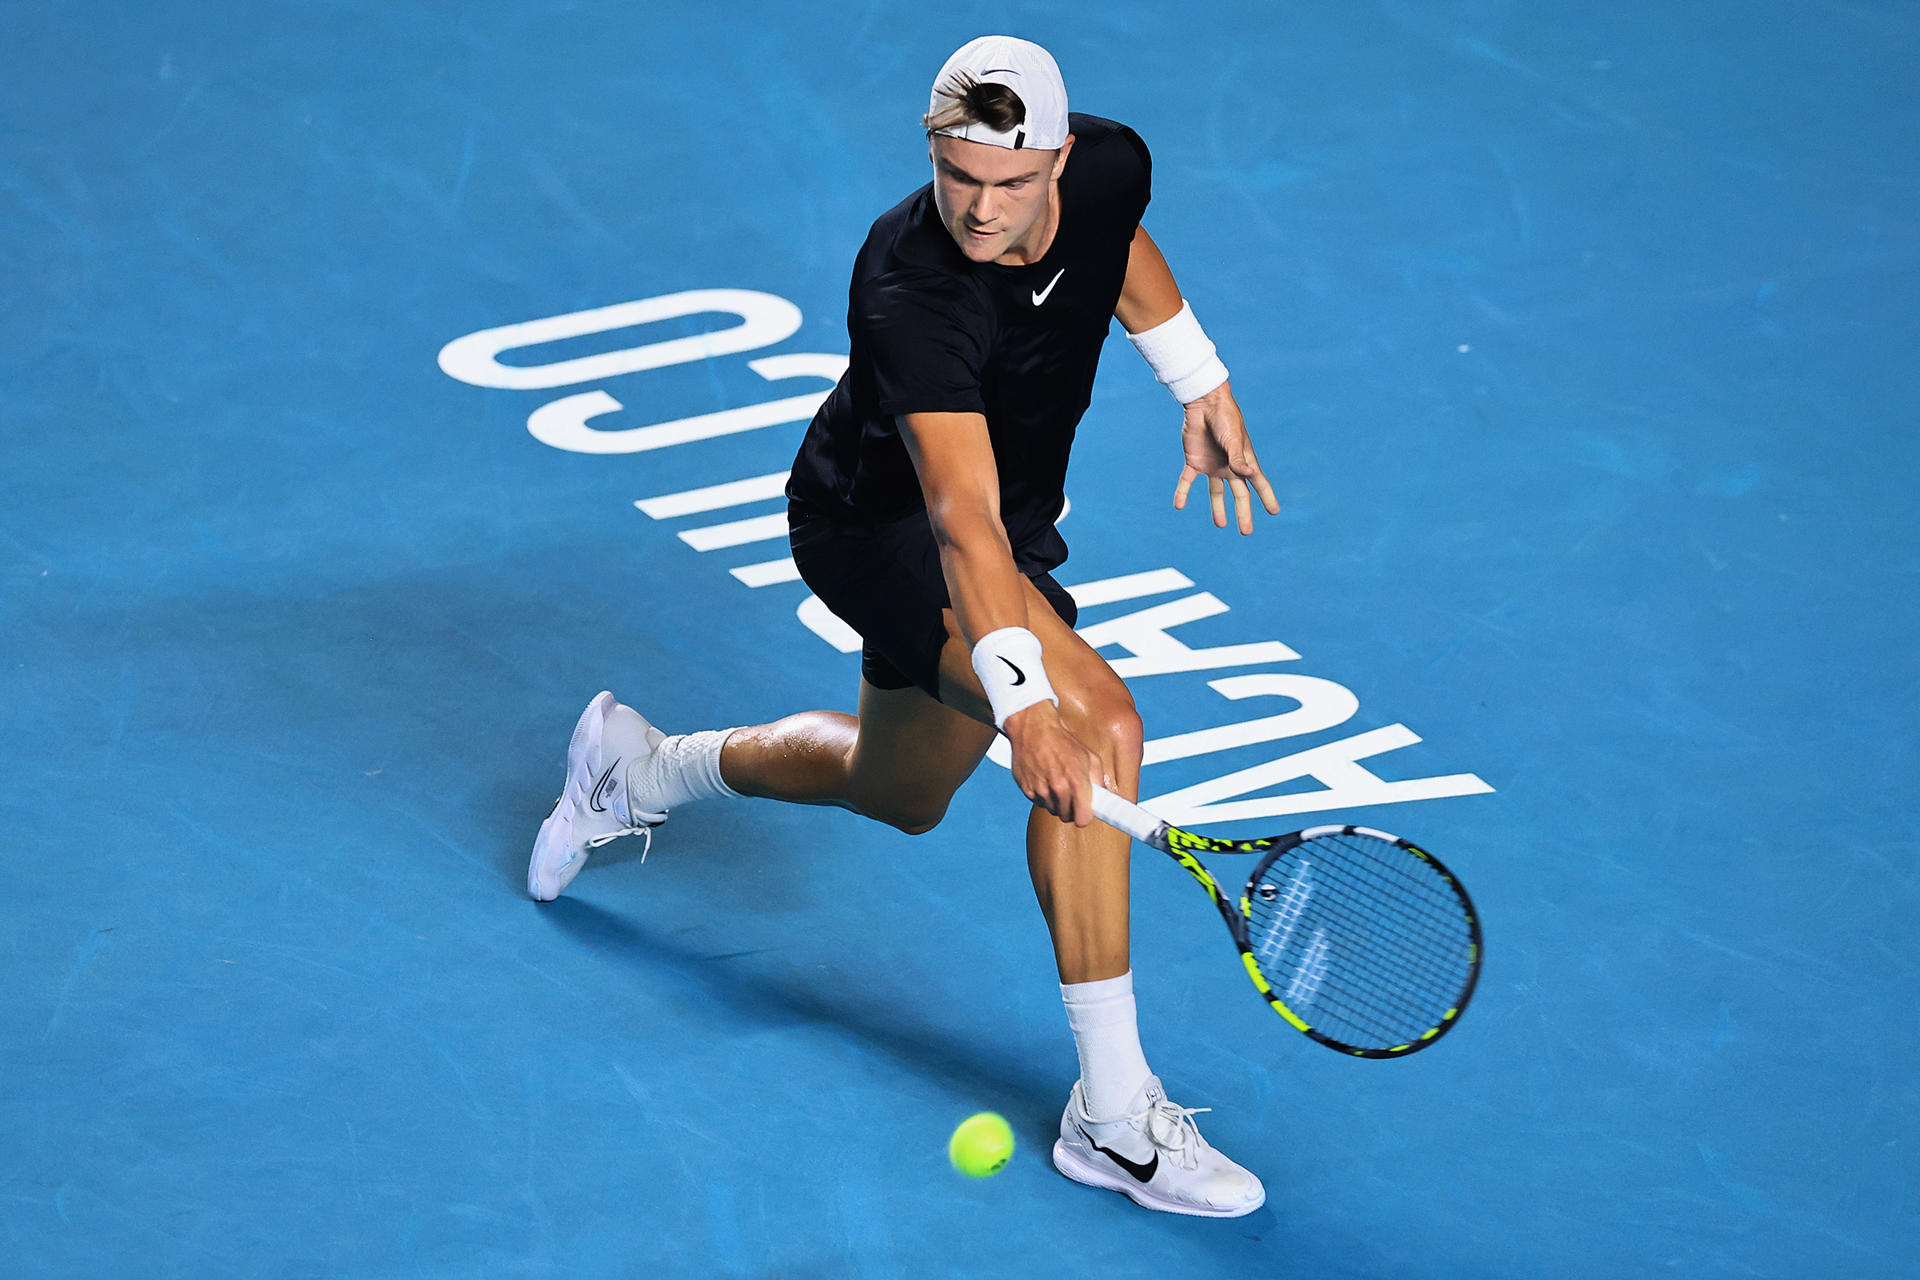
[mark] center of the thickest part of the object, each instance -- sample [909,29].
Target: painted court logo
[1145,612]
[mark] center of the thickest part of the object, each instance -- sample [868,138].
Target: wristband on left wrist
[1181,355]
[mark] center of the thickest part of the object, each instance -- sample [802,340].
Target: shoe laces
[642,825]
[1171,1128]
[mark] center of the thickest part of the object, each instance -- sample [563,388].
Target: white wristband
[1008,664]
[1181,355]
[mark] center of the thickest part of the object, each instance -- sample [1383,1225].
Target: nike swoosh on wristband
[1140,1172]
[1019,676]
[600,789]
[1041,296]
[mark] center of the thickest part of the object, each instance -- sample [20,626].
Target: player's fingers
[1217,490]
[1083,797]
[1042,789]
[1265,490]
[1187,474]
[1242,505]
[1065,798]
[1247,467]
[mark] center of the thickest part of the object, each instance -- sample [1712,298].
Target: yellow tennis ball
[981,1146]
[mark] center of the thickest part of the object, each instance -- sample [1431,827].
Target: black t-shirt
[933,332]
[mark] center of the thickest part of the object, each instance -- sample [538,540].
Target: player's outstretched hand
[1053,768]
[1215,440]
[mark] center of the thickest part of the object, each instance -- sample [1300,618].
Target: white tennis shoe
[594,807]
[1155,1155]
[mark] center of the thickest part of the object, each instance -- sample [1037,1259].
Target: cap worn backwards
[1021,66]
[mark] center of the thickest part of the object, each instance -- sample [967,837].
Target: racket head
[1365,942]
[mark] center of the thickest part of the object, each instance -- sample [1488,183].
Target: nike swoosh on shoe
[1140,1172]
[600,788]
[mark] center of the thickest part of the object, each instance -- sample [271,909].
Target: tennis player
[922,509]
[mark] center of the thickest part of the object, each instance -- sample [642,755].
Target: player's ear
[1060,160]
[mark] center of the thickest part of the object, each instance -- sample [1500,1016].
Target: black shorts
[885,581]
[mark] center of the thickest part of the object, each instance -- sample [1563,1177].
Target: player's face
[994,200]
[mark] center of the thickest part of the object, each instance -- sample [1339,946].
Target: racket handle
[1125,815]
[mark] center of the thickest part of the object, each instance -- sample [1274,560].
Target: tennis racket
[1362,941]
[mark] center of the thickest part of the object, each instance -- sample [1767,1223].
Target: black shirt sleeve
[929,337]
[1138,173]
[1116,163]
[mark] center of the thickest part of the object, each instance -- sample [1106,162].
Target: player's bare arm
[953,455]
[1150,297]
[1214,435]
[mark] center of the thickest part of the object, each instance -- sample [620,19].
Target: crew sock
[1106,1033]
[683,767]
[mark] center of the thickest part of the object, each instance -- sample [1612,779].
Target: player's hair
[971,101]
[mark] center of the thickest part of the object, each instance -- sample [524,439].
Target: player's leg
[899,761]
[1119,1130]
[1080,874]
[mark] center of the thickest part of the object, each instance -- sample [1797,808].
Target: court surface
[1577,339]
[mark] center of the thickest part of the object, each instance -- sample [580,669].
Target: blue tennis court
[381,381]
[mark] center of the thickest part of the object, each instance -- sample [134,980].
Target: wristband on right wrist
[1181,355]
[1008,664]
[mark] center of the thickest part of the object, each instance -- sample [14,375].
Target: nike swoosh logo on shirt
[600,789]
[1041,296]
[1140,1172]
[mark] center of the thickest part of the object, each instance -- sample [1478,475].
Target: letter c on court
[764,320]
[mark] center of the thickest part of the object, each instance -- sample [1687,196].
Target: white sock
[683,767]
[1107,1034]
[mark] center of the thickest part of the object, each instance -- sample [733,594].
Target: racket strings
[1411,923]
[1361,1004]
[1362,1000]
[1368,992]
[1388,975]
[1403,942]
[1411,934]
[1401,895]
[1366,941]
[1409,946]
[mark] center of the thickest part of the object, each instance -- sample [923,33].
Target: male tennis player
[922,509]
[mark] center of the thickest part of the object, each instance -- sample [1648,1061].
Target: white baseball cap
[1023,67]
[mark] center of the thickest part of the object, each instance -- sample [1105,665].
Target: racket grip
[1124,815]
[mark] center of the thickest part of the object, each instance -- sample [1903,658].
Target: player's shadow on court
[731,988]
[727,983]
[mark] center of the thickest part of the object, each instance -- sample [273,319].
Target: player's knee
[913,819]
[1129,736]
[1119,735]
[911,816]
